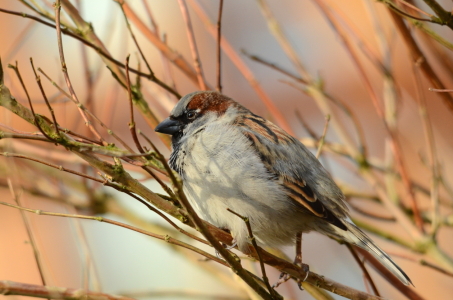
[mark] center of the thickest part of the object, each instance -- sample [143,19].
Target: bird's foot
[284,277]
[306,269]
[234,244]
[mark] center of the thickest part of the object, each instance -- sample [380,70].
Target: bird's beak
[168,126]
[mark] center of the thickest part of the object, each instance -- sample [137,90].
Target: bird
[231,158]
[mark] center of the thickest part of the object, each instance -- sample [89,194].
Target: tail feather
[359,238]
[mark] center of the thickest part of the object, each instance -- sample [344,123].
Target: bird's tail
[359,238]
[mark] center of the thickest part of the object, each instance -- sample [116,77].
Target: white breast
[223,171]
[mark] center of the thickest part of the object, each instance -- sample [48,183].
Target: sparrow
[229,157]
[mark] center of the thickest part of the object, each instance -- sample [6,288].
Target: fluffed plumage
[229,157]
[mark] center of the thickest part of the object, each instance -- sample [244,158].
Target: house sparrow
[228,157]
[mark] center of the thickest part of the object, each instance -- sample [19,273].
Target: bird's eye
[191,115]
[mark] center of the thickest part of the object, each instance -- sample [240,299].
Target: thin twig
[27,135]
[440,90]
[432,154]
[165,238]
[405,14]
[395,210]
[58,167]
[135,42]
[36,121]
[323,137]
[164,163]
[38,80]
[31,236]
[89,78]
[273,66]
[175,182]
[219,48]
[131,109]
[151,17]
[404,289]
[45,13]
[161,183]
[370,214]
[403,2]
[364,270]
[81,137]
[19,40]
[8,135]
[193,45]
[307,127]
[277,31]
[255,245]
[390,97]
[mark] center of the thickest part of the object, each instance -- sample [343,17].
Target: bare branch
[8,288]
[66,75]
[38,80]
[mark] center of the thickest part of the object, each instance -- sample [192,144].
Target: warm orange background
[127,261]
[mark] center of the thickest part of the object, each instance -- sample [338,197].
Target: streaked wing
[286,163]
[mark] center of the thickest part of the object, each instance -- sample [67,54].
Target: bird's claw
[234,244]
[284,277]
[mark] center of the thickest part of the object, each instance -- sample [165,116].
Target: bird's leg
[298,259]
[284,277]
[233,244]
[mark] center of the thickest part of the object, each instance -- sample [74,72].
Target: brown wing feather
[258,129]
[303,194]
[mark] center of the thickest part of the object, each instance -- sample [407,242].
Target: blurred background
[358,59]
